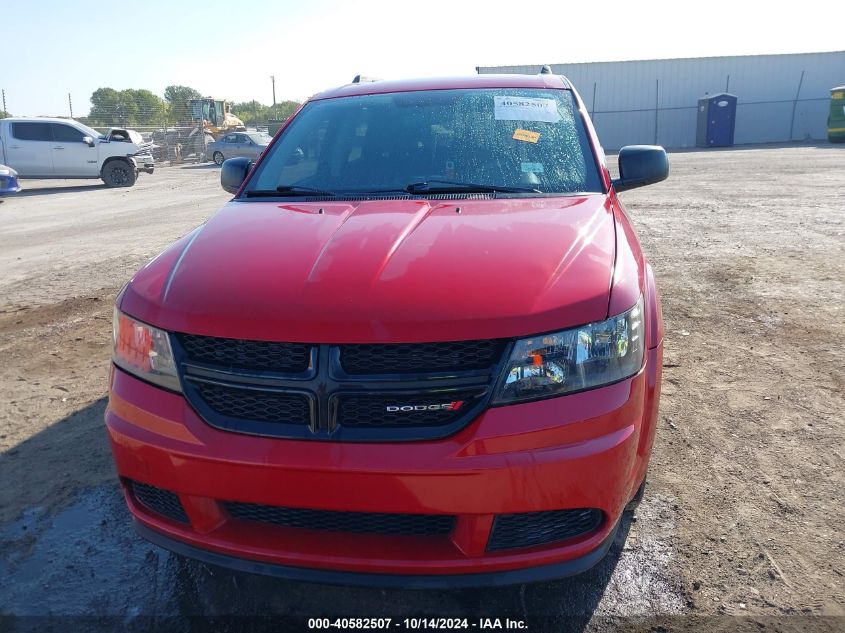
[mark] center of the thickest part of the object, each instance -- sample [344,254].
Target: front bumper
[586,450]
[143,162]
[9,184]
[405,581]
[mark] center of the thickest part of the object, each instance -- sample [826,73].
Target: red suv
[420,346]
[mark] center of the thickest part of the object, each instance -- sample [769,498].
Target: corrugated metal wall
[655,101]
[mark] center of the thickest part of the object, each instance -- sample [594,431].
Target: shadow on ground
[71,551]
[43,191]
[200,166]
[49,469]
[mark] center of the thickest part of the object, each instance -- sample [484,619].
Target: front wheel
[218,158]
[119,173]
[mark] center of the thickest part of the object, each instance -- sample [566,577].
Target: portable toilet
[836,119]
[716,120]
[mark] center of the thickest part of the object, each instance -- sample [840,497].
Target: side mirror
[89,141]
[641,165]
[234,172]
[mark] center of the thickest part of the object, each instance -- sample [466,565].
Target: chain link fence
[178,130]
[176,144]
[780,98]
[674,126]
[178,133]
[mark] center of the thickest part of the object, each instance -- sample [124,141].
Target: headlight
[144,351]
[573,360]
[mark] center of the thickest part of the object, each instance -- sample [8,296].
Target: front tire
[218,158]
[119,173]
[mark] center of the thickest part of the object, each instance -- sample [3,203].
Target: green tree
[285,108]
[177,99]
[150,108]
[126,107]
[250,112]
[4,114]
[255,113]
[105,106]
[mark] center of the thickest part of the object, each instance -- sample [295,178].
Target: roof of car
[539,81]
[39,119]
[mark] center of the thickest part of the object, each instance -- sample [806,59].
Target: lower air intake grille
[160,501]
[262,406]
[333,521]
[414,358]
[541,528]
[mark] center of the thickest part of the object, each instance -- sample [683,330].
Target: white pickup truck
[64,148]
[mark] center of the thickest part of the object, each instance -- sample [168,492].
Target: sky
[229,49]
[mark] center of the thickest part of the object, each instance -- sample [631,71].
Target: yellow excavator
[215,116]
[216,120]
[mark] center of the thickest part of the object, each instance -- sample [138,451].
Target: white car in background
[64,148]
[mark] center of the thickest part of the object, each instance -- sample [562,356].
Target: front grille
[334,521]
[251,404]
[405,358]
[160,501]
[371,411]
[541,528]
[342,393]
[292,358]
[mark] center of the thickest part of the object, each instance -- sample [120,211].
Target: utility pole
[795,105]
[70,105]
[273,79]
[4,100]
[656,106]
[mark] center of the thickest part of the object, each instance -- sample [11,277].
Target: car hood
[384,270]
[133,140]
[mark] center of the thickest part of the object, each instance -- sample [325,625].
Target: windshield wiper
[288,190]
[449,186]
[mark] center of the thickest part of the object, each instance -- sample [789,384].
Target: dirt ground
[742,523]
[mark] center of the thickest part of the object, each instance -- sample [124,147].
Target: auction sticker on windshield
[525,109]
[526,135]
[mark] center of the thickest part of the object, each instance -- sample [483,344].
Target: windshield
[88,130]
[260,138]
[516,140]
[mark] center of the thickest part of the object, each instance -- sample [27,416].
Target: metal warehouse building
[780,97]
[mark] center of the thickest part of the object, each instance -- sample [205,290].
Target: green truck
[836,120]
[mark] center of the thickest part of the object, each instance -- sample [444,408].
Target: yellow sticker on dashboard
[526,135]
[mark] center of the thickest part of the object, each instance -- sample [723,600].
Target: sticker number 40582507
[525,109]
